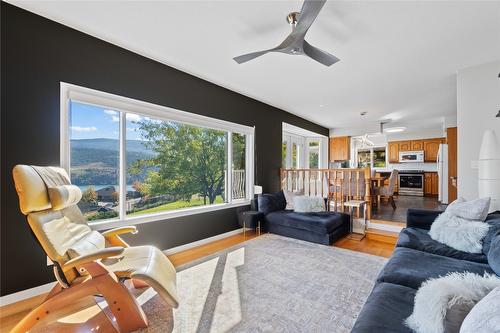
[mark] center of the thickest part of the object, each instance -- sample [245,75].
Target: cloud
[115,119]
[131,129]
[83,129]
[133,117]
[111,112]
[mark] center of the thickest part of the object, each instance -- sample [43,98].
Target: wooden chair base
[122,304]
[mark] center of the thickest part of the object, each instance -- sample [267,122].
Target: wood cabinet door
[417,145]
[435,184]
[427,183]
[405,146]
[393,148]
[340,148]
[431,148]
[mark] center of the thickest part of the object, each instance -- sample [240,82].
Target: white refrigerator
[442,169]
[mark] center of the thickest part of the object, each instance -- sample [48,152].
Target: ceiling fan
[294,43]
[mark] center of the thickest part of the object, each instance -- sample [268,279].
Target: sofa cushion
[493,220]
[319,222]
[271,202]
[409,267]
[386,309]
[494,254]
[419,239]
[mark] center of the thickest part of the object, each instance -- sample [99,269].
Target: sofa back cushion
[493,220]
[494,254]
[271,202]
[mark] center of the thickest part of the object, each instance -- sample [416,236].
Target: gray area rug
[268,284]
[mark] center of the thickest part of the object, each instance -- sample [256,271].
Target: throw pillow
[306,204]
[442,303]
[485,315]
[470,210]
[289,195]
[459,233]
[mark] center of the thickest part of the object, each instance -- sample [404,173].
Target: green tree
[89,195]
[189,160]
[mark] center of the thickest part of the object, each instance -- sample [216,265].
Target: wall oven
[411,182]
[411,156]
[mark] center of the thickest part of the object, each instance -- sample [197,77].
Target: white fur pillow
[437,298]
[289,195]
[470,210]
[485,315]
[459,233]
[306,204]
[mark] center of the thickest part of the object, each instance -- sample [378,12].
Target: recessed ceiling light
[394,129]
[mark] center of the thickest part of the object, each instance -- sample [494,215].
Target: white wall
[478,101]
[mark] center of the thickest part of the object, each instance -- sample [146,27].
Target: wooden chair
[87,262]
[387,191]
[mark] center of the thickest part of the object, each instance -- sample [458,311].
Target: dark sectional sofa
[418,257]
[321,227]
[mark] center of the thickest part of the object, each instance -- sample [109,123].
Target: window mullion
[229,182]
[122,166]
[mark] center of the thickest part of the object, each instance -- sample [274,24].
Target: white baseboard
[25,294]
[202,242]
[35,291]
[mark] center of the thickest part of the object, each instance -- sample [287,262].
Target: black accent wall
[36,55]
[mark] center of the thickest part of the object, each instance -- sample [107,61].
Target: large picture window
[136,162]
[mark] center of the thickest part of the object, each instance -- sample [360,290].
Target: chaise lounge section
[417,257]
[319,227]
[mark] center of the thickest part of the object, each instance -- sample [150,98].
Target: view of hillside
[95,161]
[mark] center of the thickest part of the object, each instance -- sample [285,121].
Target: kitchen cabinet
[431,147]
[340,148]
[393,151]
[431,186]
[404,146]
[417,145]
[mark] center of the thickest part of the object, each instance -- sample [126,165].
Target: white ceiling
[398,58]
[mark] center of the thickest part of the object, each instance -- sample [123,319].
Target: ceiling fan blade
[249,56]
[320,56]
[308,13]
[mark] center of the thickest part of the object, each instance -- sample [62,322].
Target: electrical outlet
[474,164]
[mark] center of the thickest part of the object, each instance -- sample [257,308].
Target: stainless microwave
[411,156]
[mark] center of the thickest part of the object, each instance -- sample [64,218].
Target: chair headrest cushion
[33,196]
[64,196]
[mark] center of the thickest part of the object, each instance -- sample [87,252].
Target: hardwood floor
[85,315]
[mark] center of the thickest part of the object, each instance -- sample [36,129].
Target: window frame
[124,105]
[371,155]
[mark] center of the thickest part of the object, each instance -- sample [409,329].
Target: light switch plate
[49,262]
[474,164]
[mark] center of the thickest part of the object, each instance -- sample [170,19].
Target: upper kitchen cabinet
[417,145]
[404,146]
[340,148]
[393,151]
[431,147]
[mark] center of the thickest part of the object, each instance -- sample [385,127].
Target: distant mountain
[110,144]
[95,161]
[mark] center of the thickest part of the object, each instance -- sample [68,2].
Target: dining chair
[387,191]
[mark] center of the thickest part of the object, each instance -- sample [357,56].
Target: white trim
[200,242]
[123,166]
[125,104]
[229,168]
[113,223]
[25,294]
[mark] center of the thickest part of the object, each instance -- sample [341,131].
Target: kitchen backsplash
[411,166]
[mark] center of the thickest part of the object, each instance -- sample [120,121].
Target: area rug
[267,284]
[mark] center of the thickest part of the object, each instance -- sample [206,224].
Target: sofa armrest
[421,218]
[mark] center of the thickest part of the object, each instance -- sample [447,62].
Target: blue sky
[91,122]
